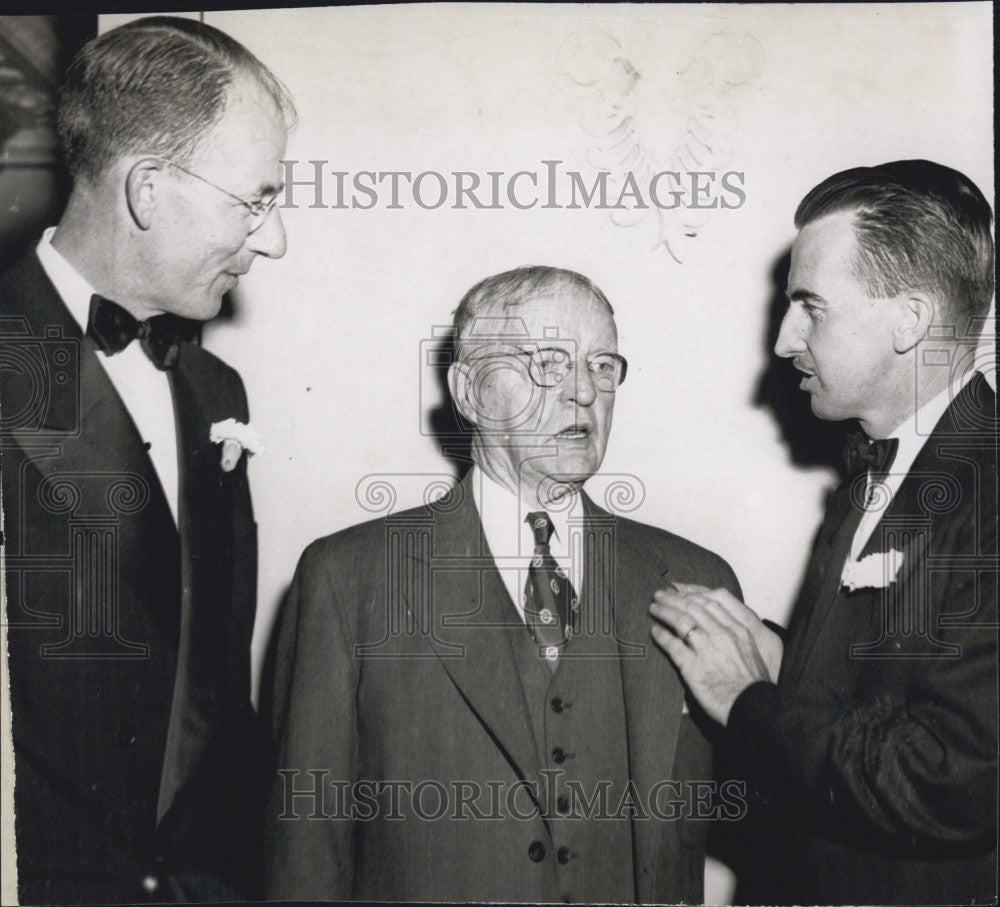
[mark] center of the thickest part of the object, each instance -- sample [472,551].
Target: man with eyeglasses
[130,541]
[466,703]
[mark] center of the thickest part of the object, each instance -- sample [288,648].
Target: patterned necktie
[112,329]
[548,593]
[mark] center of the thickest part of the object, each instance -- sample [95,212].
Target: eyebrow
[804,296]
[271,189]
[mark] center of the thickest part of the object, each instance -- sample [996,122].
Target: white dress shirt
[512,540]
[911,436]
[143,388]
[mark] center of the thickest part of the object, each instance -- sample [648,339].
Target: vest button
[564,855]
[558,705]
[536,851]
[562,804]
[558,756]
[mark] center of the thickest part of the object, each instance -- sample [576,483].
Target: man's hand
[719,645]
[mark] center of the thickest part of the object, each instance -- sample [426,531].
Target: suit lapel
[87,435]
[200,688]
[198,459]
[822,582]
[471,614]
[963,423]
[930,484]
[625,576]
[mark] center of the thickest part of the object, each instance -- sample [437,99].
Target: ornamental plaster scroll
[683,120]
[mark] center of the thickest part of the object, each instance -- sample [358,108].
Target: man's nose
[579,385]
[791,335]
[269,238]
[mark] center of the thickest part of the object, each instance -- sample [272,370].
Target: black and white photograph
[499,453]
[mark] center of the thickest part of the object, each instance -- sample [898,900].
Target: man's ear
[460,386]
[916,315]
[142,190]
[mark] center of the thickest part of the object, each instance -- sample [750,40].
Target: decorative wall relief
[664,142]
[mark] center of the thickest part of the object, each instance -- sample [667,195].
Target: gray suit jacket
[392,662]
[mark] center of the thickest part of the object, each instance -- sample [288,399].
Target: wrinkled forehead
[554,317]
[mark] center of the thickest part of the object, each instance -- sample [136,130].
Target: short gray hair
[157,84]
[511,289]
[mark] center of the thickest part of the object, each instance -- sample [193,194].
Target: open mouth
[807,374]
[573,433]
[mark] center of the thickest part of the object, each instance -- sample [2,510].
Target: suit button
[562,804]
[559,755]
[564,855]
[536,851]
[557,705]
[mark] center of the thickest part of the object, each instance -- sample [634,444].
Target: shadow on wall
[451,431]
[811,441]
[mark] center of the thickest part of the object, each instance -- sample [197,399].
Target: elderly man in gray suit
[466,703]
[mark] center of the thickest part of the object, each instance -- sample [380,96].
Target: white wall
[328,340]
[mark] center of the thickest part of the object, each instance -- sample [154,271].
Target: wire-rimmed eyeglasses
[259,210]
[551,366]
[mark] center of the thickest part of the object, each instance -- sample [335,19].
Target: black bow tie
[862,454]
[113,329]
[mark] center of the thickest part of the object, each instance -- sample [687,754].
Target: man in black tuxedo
[466,705]
[130,540]
[871,764]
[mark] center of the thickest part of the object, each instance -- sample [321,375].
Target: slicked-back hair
[918,226]
[499,294]
[154,85]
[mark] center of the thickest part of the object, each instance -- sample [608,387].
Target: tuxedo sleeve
[313,720]
[912,760]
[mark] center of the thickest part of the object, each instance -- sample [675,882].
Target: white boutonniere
[235,437]
[877,571]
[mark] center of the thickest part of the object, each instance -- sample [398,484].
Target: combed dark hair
[514,288]
[156,84]
[919,225]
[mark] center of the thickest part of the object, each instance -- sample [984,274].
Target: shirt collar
[74,290]
[503,513]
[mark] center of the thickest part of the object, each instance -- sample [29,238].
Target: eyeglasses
[551,366]
[259,210]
